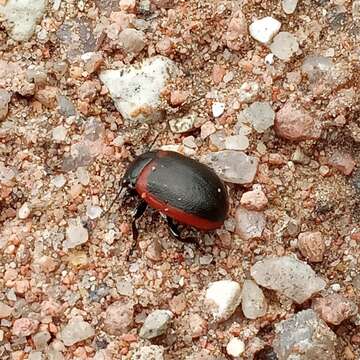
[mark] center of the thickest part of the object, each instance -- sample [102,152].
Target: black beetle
[179,187]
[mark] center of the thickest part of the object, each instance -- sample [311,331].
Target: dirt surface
[51,182]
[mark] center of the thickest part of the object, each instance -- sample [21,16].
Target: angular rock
[182,125]
[334,309]
[342,162]
[289,276]
[24,327]
[217,109]
[304,337]
[284,45]
[265,29]
[118,317]
[5,310]
[260,115]
[237,142]
[248,92]
[76,330]
[232,166]
[151,352]
[254,200]
[293,123]
[289,6]
[21,17]
[4,103]
[253,301]
[222,298]
[136,90]
[312,245]
[156,324]
[249,224]
[75,236]
[132,41]
[41,339]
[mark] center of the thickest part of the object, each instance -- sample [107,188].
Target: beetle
[179,187]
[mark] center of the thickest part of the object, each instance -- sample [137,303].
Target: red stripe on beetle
[176,214]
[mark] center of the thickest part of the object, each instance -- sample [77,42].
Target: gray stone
[260,115]
[284,45]
[136,90]
[155,324]
[237,142]
[249,224]
[76,330]
[253,301]
[289,276]
[21,17]
[5,310]
[232,166]
[66,107]
[289,6]
[304,337]
[41,339]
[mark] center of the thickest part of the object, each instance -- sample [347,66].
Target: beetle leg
[137,213]
[174,231]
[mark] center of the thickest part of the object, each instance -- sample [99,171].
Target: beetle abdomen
[184,189]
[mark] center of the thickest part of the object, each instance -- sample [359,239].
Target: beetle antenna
[119,193]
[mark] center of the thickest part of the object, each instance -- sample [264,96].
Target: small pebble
[24,211]
[265,29]
[235,347]
[156,324]
[59,133]
[75,331]
[253,301]
[218,109]
[222,298]
[284,45]
[75,235]
[289,6]
[254,200]
[236,142]
[249,224]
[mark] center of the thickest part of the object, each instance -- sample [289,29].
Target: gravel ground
[265,92]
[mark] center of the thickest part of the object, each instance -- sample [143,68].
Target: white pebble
[58,181]
[59,133]
[24,211]
[265,29]
[222,298]
[218,109]
[235,347]
[289,6]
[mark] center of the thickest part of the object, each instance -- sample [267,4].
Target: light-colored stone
[342,162]
[150,352]
[289,6]
[289,276]
[75,236]
[237,142]
[132,40]
[284,45]
[24,211]
[265,29]
[235,347]
[232,166]
[183,124]
[24,327]
[334,309]
[5,310]
[222,298]
[21,17]
[218,109]
[304,337]
[119,317]
[260,115]
[156,324]
[76,330]
[249,224]
[4,103]
[136,90]
[254,200]
[253,301]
